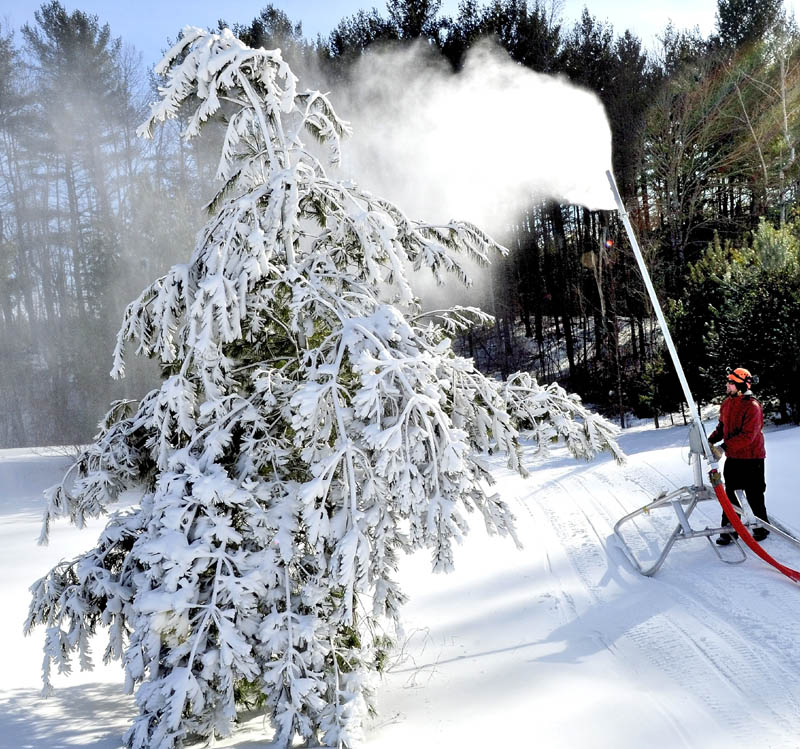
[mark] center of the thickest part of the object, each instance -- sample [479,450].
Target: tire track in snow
[743,660]
[560,600]
[728,597]
[554,490]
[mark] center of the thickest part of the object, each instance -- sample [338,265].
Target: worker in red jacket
[740,422]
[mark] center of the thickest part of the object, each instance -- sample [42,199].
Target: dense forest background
[704,134]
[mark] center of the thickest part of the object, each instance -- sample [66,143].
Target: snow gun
[683,501]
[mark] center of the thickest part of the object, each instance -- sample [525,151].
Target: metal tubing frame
[651,292]
[687,499]
[690,497]
[683,502]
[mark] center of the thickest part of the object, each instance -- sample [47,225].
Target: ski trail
[548,537]
[567,635]
[704,634]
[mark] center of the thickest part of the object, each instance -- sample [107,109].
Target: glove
[716,451]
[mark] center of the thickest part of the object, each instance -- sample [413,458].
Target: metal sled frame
[683,501]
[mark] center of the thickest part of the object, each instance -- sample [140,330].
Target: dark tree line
[704,153]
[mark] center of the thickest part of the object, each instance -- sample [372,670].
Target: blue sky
[147,23]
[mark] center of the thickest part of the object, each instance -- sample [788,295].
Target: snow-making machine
[685,500]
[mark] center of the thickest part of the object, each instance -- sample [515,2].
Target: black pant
[746,474]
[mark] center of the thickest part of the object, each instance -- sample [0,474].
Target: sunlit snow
[561,644]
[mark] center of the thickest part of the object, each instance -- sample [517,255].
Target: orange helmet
[740,377]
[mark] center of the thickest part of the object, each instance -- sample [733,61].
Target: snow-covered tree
[313,424]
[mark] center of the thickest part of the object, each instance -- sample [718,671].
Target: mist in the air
[476,145]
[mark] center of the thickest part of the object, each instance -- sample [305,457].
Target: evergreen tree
[272,29]
[16,301]
[313,424]
[694,317]
[528,33]
[742,22]
[757,321]
[356,33]
[416,18]
[68,167]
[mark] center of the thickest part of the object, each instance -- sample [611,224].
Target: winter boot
[726,538]
[759,534]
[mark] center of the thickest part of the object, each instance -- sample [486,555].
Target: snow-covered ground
[561,644]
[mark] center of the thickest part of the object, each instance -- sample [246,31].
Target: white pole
[687,393]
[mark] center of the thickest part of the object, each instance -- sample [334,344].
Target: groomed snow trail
[702,654]
[561,644]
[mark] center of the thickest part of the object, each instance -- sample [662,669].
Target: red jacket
[740,423]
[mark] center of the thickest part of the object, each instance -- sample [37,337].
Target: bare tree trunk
[78,269]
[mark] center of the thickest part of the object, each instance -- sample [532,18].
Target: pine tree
[742,22]
[313,424]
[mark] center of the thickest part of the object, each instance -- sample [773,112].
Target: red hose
[744,534]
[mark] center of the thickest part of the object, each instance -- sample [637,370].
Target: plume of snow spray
[477,145]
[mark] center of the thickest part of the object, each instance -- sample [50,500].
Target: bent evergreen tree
[313,423]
